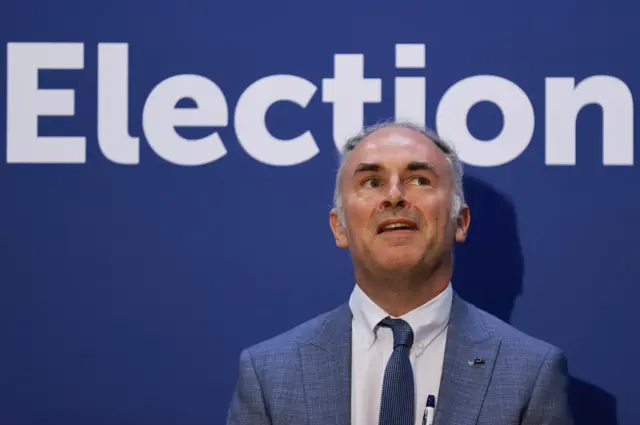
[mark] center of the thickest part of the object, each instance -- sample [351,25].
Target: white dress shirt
[372,346]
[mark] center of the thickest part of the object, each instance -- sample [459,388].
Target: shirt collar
[427,321]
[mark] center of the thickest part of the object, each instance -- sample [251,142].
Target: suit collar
[326,370]
[470,355]
[465,323]
[326,367]
[335,330]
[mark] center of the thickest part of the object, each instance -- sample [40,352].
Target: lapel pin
[476,361]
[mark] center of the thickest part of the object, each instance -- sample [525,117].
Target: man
[405,337]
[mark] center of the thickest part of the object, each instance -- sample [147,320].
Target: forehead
[395,147]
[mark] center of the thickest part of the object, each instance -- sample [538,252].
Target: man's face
[397,195]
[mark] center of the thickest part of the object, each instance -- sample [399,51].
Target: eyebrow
[418,166]
[412,166]
[366,167]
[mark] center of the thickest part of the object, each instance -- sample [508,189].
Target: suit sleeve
[247,403]
[549,403]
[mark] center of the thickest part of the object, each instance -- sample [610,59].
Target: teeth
[396,226]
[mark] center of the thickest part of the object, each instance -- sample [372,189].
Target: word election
[348,91]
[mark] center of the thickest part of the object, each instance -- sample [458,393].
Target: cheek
[436,213]
[357,217]
[366,198]
[361,206]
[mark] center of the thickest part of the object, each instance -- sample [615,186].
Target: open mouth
[394,226]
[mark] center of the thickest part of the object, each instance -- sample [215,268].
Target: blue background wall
[127,291]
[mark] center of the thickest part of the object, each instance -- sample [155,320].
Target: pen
[429,411]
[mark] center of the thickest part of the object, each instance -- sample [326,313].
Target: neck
[399,292]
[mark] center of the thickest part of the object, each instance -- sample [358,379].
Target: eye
[420,180]
[371,182]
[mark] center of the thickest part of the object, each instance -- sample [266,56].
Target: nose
[394,196]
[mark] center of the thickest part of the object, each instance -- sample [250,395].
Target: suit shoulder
[512,338]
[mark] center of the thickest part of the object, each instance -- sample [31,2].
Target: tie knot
[402,332]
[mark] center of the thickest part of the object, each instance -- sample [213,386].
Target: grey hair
[447,148]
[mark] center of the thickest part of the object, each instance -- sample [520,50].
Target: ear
[339,233]
[462,223]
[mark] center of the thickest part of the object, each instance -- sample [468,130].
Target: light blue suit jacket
[303,377]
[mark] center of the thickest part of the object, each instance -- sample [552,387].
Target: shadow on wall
[491,278]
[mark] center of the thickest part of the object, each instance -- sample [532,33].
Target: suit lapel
[326,371]
[463,385]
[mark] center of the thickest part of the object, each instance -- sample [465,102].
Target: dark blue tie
[397,406]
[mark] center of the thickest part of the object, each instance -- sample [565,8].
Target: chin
[399,260]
